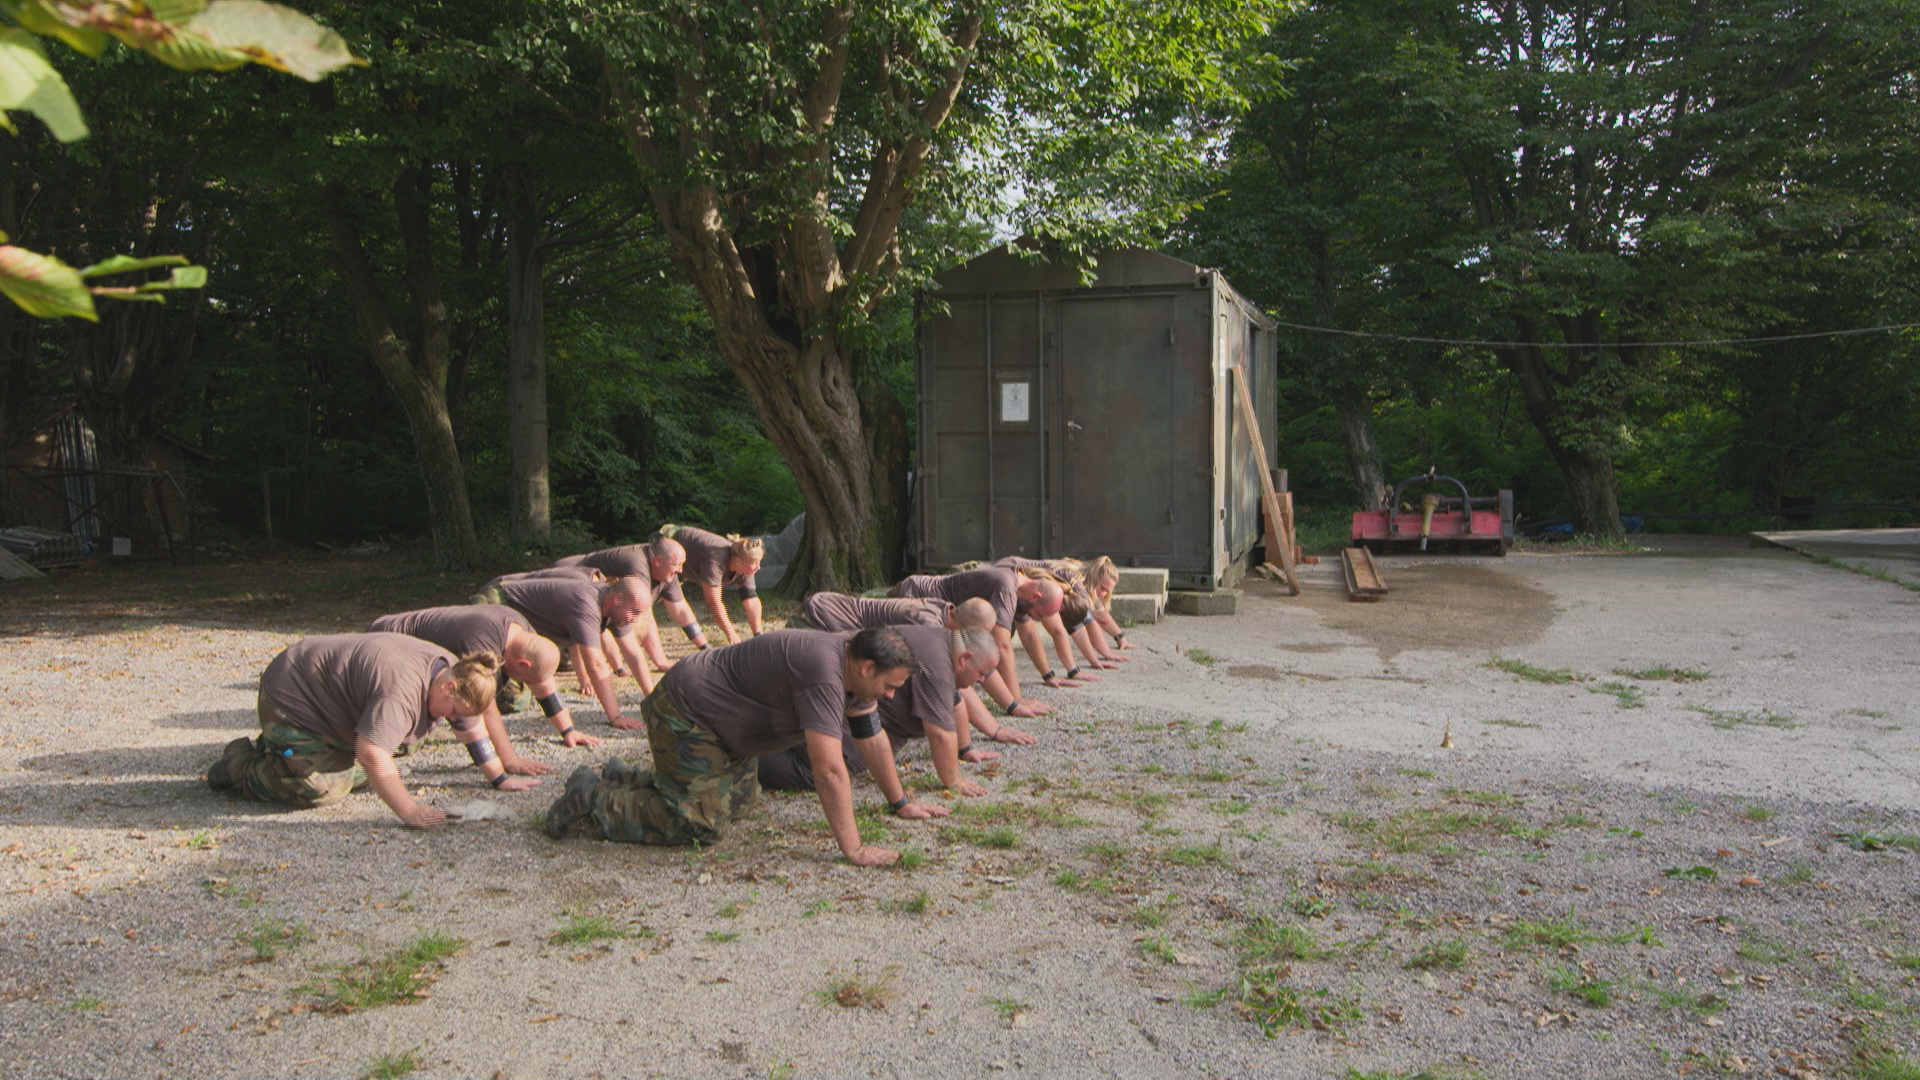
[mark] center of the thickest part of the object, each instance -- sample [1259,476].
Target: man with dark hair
[572,610]
[715,712]
[928,706]
[525,657]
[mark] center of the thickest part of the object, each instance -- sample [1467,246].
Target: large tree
[784,141]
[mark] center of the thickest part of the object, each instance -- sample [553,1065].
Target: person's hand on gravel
[918,811]
[519,783]
[974,755]
[1059,682]
[1027,710]
[423,816]
[1009,734]
[868,855]
[969,788]
[576,737]
[519,766]
[626,723]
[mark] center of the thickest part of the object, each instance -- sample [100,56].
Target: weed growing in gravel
[1557,933]
[1572,981]
[87,1003]
[1197,855]
[855,992]
[399,978]
[781,1069]
[1152,916]
[1886,1063]
[911,859]
[1764,951]
[917,904]
[587,929]
[1204,999]
[393,1066]
[722,937]
[1481,798]
[1076,881]
[1682,998]
[1266,942]
[1421,774]
[1531,673]
[1449,954]
[1202,656]
[1212,774]
[1864,570]
[1626,696]
[1866,841]
[1757,812]
[1692,873]
[1158,948]
[1663,673]
[1232,806]
[1734,719]
[1905,961]
[202,841]
[1502,722]
[732,909]
[1008,1008]
[1000,836]
[818,907]
[269,936]
[1109,852]
[1309,906]
[1032,815]
[1273,1004]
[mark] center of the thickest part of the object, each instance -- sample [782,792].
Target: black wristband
[566,731]
[1119,635]
[551,705]
[498,780]
[1073,672]
[1051,674]
[896,804]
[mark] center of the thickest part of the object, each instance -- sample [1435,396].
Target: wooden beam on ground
[1363,578]
[1278,513]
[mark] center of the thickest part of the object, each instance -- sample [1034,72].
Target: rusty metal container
[1060,418]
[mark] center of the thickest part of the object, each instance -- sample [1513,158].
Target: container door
[1118,405]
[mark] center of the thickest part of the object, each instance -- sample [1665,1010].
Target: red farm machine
[1461,524]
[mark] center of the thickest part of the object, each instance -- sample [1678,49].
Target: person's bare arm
[1056,628]
[1008,677]
[682,615]
[751,606]
[1083,637]
[835,788]
[945,747]
[472,730]
[1008,700]
[496,729]
[629,646]
[877,752]
[1112,626]
[384,777]
[717,604]
[562,721]
[973,713]
[594,667]
[1030,639]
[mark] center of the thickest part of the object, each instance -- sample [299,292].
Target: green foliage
[399,978]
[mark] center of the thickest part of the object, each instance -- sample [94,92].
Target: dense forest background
[1512,211]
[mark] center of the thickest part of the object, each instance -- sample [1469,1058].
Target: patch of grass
[1734,719]
[917,904]
[269,936]
[1905,961]
[722,937]
[87,1003]
[1158,948]
[732,909]
[1265,942]
[1502,722]
[1418,774]
[1152,916]
[781,1069]
[1663,673]
[1202,656]
[1864,570]
[1212,774]
[393,1066]
[1272,1004]
[1533,673]
[587,929]
[1109,852]
[1866,841]
[1574,982]
[1693,1001]
[399,978]
[1450,954]
[1008,1008]
[1309,906]
[856,992]
[1557,933]
[1482,798]
[1195,855]
[1204,999]
[910,859]
[1761,950]
[202,841]
[1001,837]
[1692,873]
[1757,812]
[1033,815]
[1575,821]
[1625,695]
[1232,806]
[1420,829]
[1078,882]
[1798,872]
[1886,1063]
[818,907]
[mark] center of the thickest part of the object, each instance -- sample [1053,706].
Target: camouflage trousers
[290,765]
[695,788]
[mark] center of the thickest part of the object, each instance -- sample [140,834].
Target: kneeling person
[525,657]
[715,712]
[336,710]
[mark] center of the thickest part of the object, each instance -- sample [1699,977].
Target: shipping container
[1057,417]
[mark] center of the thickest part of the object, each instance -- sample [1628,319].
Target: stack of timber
[1363,578]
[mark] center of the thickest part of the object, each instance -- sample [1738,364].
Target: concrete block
[1218,602]
[1141,579]
[1139,607]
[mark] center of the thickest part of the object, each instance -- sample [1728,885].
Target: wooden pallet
[1363,578]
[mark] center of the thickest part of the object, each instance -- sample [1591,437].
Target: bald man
[1014,599]
[573,610]
[657,565]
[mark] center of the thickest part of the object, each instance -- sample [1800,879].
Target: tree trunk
[416,368]
[530,492]
[1570,430]
[1595,492]
[1363,454]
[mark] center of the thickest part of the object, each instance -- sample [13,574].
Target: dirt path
[1253,824]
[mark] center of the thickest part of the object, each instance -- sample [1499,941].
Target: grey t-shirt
[462,630]
[996,585]
[707,555]
[562,607]
[838,611]
[630,560]
[344,685]
[765,693]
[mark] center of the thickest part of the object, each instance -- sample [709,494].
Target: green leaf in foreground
[42,285]
[29,82]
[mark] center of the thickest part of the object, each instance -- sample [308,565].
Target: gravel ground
[1245,854]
